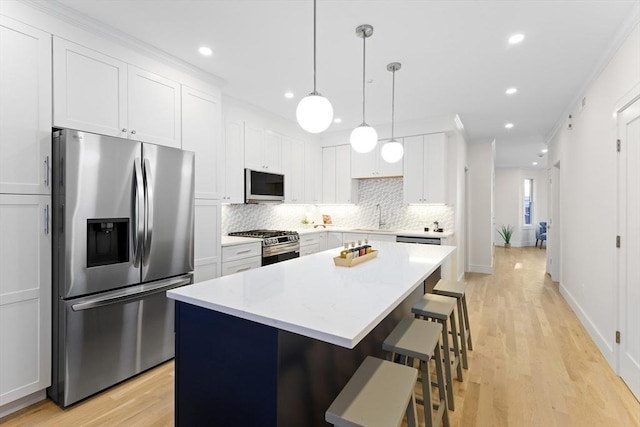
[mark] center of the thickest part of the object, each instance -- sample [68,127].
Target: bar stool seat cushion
[450,288]
[414,338]
[435,306]
[377,394]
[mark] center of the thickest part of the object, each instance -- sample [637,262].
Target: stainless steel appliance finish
[276,245]
[123,235]
[419,240]
[263,187]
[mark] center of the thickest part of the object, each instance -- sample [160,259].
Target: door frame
[626,101]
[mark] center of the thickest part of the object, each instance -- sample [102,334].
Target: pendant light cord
[314,48]
[393,101]
[364,57]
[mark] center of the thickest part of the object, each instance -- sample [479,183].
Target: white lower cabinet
[25,295]
[334,239]
[309,244]
[242,257]
[207,240]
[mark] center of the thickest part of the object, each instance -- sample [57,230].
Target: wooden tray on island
[352,262]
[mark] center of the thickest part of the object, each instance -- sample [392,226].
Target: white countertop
[310,296]
[235,240]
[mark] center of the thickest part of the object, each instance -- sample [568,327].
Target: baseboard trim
[598,338]
[23,402]
[480,269]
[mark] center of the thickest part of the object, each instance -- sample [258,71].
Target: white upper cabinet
[154,108]
[372,165]
[201,130]
[98,93]
[231,163]
[293,169]
[337,185]
[89,90]
[424,169]
[312,173]
[262,149]
[25,108]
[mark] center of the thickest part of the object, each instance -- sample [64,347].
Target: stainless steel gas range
[276,245]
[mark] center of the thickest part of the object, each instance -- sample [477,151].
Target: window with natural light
[527,201]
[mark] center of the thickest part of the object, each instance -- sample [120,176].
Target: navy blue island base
[235,372]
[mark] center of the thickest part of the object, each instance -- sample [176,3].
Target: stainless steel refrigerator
[123,216]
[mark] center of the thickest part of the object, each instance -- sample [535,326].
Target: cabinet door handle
[133,132]
[246,251]
[243,269]
[46,171]
[46,219]
[124,130]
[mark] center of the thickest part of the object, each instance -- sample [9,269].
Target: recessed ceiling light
[516,38]
[288,95]
[544,150]
[511,91]
[534,163]
[205,51]
[508,125]
[337,120]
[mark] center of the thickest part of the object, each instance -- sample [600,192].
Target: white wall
[588,197]
[480,158]
[508,203]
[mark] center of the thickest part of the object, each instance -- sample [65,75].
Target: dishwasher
[432,280]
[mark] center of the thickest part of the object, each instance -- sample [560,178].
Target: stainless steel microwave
[263,187]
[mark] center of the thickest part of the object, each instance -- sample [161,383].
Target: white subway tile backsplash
[386,192]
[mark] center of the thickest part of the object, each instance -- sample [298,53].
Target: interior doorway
[629,248]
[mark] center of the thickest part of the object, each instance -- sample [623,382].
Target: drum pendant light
[392,151]
[364,138]
[314,112]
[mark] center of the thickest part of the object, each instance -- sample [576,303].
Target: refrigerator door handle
[129,294]
[138,208]
[148,212]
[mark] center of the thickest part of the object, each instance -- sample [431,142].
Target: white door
[231,163]
[297,172]
[253,147]
[273,152]
[345,187]
[413,169]
[25,295]
[629,275]
[90,90]
[388,169]
[434,168]
[25,108]
[201,134]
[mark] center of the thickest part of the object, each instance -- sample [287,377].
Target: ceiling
[455,56]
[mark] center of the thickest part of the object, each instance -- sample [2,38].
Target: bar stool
[378,395]
[440,308]
[419,339]
[456,290]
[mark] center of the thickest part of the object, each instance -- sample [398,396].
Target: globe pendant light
[392,150]
[364,138]
[314,112]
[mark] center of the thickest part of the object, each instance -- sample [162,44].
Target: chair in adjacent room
[541,233]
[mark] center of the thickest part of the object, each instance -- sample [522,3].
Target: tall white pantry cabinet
[25,210]
[48,81]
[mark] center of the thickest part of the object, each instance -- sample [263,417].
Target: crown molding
[66,14]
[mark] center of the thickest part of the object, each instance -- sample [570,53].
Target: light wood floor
[533,364]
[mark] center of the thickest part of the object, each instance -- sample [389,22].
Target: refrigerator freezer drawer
[108,340]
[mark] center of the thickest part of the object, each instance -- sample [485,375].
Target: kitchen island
[273,346]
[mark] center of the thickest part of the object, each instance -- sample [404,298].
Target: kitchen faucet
[436,225]
[380,222]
